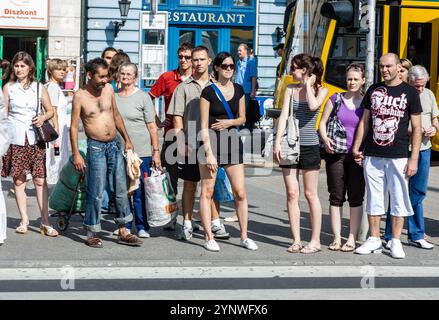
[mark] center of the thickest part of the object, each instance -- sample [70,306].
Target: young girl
[342,172]
[304,100]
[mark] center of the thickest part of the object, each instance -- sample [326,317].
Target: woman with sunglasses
[222,145]
[304,99]
[343,174]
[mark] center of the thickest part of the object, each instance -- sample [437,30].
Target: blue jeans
[105,162]
[138,200]
[418,186]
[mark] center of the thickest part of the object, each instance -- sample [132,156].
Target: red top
[165,87]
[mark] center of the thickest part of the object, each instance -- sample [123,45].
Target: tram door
[420,41]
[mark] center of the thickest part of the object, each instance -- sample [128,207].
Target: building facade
[43,28]
[220,25]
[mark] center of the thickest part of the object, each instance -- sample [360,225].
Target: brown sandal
[129,240]
[348,247]
[295,248]
[94,242]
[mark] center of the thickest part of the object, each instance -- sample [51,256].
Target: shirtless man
[95,105]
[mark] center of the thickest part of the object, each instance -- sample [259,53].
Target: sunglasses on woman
[227,66]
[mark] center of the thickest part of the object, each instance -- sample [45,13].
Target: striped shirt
[307,122]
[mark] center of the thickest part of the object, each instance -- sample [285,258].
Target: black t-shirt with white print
[390,110]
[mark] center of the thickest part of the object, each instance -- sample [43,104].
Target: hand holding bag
[45,133]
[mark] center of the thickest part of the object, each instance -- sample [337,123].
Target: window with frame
[200,2]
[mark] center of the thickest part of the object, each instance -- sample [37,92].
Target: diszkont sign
[24,14]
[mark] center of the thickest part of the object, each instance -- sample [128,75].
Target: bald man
[390,107]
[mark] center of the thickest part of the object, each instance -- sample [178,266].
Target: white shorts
[381,173]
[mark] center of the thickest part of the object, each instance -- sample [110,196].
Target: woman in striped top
[304,99]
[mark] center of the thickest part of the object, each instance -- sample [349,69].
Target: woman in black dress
[222,145]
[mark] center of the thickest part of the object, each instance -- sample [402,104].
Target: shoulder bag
[335,129]
[45,133]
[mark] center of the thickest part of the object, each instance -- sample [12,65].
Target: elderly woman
[25,155]
[57,153]
[138,113]
[418,77]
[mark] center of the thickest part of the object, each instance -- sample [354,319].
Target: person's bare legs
[42,199]
[21,198]
[374,225]
[310,184]
[335,215]
[215,210]
[292,189]
[207,186]
[397,225]
[356,214]
[188,198]
[237,180]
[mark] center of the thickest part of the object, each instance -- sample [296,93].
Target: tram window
[419,44]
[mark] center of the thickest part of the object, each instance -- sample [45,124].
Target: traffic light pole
[370,56]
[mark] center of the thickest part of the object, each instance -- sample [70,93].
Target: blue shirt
[245,71]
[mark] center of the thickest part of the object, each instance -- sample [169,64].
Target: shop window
[238,36]
[242,3]
[159,1]
[200,2]
[210,41]
[186,36]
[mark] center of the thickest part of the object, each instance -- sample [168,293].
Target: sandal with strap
[310,249]
[129,240]
[22,228]
[347,247]
[48,231]
[295,248]
[94,242]
[335,246]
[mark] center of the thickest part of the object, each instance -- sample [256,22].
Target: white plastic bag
[161,202]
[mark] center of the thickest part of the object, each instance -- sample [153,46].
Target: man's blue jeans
[138,200]
[105,162]
[418,186]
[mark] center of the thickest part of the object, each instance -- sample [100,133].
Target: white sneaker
[421,243]
[372,245]
[388,244]
[211,245]
[116,232]
[186,233]
[220,232]
[143,234]
[396,250]
[249,244]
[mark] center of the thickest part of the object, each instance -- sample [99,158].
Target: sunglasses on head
[186,57]
[227,66]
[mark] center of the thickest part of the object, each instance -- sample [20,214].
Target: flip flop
[309,249]
[348,247]
[335,246]
[94,242]
[295,248]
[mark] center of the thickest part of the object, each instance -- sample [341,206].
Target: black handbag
[45,133]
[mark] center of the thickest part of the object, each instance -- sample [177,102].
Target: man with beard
[95,105]
[389,108]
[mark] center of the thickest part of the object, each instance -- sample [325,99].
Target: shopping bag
[222,191]
[161,202]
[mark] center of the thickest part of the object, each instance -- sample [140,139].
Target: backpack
[253,112]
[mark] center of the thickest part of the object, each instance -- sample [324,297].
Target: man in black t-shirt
[390,107]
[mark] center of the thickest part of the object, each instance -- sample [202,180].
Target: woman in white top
[4,144]
[57,153]
[25,155]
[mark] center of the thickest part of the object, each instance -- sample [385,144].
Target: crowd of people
[383,141]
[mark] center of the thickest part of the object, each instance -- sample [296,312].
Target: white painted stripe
[278,294]
[215,272]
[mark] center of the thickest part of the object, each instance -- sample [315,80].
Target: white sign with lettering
[24,14]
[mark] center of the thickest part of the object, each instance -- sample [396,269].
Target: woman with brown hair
[343,174]
[304,99]
[23,94]
[115,63]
